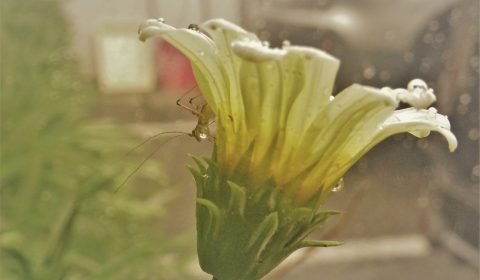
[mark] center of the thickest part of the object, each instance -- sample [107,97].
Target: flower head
[275,114]
[283,141]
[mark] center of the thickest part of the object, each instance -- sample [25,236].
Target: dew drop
[476,171]
[385,75]
[434,25]
[417,84]
[203,135]
[473,134]
[465,99]
[369,72]
[422,144]
[339,185]
[428,38]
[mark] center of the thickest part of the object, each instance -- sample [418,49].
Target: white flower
[275,115]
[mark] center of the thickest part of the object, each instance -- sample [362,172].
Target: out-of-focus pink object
[174,69]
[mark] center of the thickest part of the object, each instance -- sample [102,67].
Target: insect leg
[179,103]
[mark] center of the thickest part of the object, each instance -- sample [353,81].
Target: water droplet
[434,25]
[474,62]
[285,43]
[476,171]
[193,27]
[385,75]
[465,99]
[417,84]
[423,144]
[423,201]
[428,38]
[473,134]
[455,17]
[440,38]
[160,19]
[203,135]
[369,72]
[339,185]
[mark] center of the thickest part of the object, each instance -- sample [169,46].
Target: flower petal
[414,121]
[200,50]
[353,110]
[418,123]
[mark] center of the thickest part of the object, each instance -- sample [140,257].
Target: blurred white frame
[123,64]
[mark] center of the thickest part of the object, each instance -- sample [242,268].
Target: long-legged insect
[204,113]
[200,132]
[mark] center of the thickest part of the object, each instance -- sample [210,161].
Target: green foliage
[60,218]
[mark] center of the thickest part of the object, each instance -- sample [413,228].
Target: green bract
[282,141]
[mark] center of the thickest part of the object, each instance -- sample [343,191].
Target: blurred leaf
[59,217]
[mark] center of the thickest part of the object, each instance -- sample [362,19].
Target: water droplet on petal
[203,136]
[417,84]
[339,185]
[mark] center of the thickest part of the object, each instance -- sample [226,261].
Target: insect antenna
[147,158]
[153,137]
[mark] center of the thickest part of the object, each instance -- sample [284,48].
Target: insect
[201,131]
[204,114]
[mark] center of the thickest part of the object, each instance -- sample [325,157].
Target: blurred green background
[60,218]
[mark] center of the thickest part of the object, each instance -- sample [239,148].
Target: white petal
[200,50]
[255,51]
[419,123]
[353,111]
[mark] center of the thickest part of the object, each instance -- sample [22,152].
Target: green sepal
[263,233]
[245,229]
[199,180]
[200,164]
[321,217]
[215,215]
[319,243]
[238,198]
